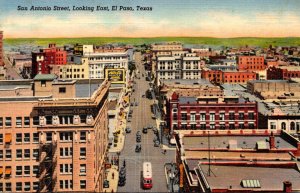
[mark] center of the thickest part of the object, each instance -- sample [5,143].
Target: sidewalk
[113,178]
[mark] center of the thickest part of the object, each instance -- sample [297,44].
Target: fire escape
[48,162]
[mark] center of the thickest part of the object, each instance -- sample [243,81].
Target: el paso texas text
[84,8]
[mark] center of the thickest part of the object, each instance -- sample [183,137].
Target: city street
[11,73]
[141,117]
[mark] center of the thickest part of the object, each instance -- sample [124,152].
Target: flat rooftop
[270,178]
[222,142]
[186,82]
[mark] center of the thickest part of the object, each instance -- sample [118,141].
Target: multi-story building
[2,69]
[42,60]
[237,161]
[83,49]
[232,77]
[283,72]
[53,138]
[181,66]
[251,63]
[210,112]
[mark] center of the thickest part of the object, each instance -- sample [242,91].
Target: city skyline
[191,18]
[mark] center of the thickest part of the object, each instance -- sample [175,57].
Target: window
[19,186]
[26,170]
[65,136]
[27,186]
[1,138]
[273,125]
[231,126]
[82,184]
[1,121]
[83,169]
[66,151]
[82,152]
[26,121]
[1,154]
[222,126]
[251,116]
[35,153]
[18,170]
[1,187]
[43,83]
[292,126]
[193,117]
[202,117]
[82,136]
[222,116]
[19,122]
[202,126]
[183,116]
[65,168]
[62,89]
[82,118]
[212,116]
[35,137]
[8,121]
[19,137]
[241,126]
[49,120]
[231,116]
[49,137]
[8,187]
[193,126]
[212,126]
[36,120]
[26,137]
[283,126]
[241,116]
[35,170]
[8,154]
[19,153]
[251,126]
[65,184]
[35,185]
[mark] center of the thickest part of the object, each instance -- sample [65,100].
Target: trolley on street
[147,175]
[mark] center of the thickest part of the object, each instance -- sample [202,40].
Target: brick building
[210,112]
[218,76]
[42,60]
[54,138]
[251,63]
[283,72]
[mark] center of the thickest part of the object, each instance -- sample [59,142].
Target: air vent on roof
[177,82]
[250,183]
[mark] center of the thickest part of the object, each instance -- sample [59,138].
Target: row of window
[213,126]
[25,153]
[74,76]
[22,138]
[74,70]
[20,187]
[212,116]
[293,126]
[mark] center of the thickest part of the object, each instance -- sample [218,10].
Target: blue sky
[213,18]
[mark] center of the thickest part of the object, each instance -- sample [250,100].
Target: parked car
[138,139]
[153,116]
[155,130]
[145,130]
[131,104]
[128,130]
[156,143]
[106,184]
[136,103]
[138,148]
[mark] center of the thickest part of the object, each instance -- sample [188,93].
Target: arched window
[283,126]
[292,126]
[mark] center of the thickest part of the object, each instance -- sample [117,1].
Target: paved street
[11,73]
[141,117]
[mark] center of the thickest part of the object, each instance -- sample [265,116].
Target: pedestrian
[124,163]
[165,151]
[113,175]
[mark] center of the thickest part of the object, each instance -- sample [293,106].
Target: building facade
[42,60]
[283,72]
[251,63]
[2,70]
[210,112]
[54,143]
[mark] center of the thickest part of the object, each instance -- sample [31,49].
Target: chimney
[272,141]
[287,186]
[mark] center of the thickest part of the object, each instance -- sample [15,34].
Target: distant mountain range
[229,42]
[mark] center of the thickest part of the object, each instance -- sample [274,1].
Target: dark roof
[45,77]
[185,100]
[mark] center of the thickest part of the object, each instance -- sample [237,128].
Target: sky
[184,18]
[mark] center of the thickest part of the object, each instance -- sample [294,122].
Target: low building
[274,89]
[210,112]
[53,135]
[237,161]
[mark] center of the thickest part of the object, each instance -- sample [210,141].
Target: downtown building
[42,60]
[53,135]
[210,113]
[283,72]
